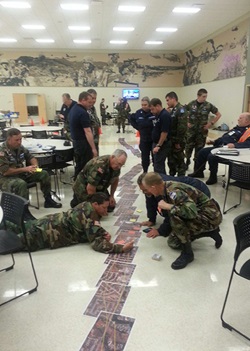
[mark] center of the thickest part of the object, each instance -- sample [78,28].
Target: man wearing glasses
[98,175]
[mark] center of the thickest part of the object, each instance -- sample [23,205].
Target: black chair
[52,123]
[242,233]
[39,134]
[46,162]
[13,207]
[238,176]
[34,185]
[61,161]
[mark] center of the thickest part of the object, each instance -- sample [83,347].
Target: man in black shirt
[81,133]
[160,135]
[238,137]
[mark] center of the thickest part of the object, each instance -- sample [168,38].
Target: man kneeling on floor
[98,175]
[152,204]
[191,213]
[78,225]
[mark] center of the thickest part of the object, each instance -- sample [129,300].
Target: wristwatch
[158,145]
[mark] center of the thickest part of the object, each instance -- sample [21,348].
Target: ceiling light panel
[15,4]
[123,29]
[186,9]
[82,41]
[8,40]
[131,8]
[74,7]
[118,42]
[45,40]
[33,26]
[153,42]
[79,28]
[166,30]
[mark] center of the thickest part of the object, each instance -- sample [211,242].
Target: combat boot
[214,234]
[123,130]
[50,203]
[74,202]
[197,174]
[185,257]
[119,131]
[212,179]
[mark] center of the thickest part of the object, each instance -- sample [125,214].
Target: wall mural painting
[98,70]
[222,57]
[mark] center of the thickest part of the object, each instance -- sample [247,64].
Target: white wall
[53,96]
[227,95]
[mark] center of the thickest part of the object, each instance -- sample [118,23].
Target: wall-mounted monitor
[131,94]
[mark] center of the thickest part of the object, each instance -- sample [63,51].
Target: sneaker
[50,203]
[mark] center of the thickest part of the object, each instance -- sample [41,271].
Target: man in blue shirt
[81,132]
[160,135]
[142,120]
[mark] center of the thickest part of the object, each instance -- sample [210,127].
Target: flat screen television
[131,94]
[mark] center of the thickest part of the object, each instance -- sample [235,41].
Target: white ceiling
[103,15]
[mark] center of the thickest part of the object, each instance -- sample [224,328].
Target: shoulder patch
[100,170]
[172,195]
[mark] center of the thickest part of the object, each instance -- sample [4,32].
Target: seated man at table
[98,175]
[238,137]
[191,213]
[78,225]
[19,167]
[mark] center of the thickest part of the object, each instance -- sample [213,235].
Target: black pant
[82,153]
[146,149]
[160,158]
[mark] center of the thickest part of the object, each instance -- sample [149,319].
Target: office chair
[39,134]
[239,173]
[242,233]
[14,207]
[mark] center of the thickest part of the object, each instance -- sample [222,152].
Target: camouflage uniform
[178,135]
[17,184]
[123,112]
[95,126]
[198,118]
[96,172]
[78,225]
[193,212]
